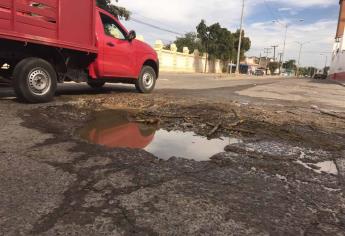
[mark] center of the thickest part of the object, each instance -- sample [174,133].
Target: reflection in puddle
[113,129]
[328,167]
[187,145]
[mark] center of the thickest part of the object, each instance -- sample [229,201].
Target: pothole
[114,129]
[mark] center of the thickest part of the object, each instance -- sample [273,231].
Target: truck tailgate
[59,23]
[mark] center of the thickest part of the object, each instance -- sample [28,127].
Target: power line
[274,51]
[267,51]
[156,22]
[315,52]
[156,27]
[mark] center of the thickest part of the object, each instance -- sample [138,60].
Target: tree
[273,66]
[290,65]
[303,71]
[220,43]
[203,34]
[307,71]
[189,40]
[245,44]
[117,11]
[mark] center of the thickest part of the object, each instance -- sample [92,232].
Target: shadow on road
[7,93]
[324,81]
[83,89]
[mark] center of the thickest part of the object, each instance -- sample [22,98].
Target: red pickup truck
[45,42]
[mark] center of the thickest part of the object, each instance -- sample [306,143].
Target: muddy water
[114,129]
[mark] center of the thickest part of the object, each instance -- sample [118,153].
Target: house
[252,63]
[258,63]
[337,68]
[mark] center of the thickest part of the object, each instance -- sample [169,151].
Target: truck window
[111,28]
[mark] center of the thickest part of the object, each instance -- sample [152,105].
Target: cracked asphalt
[273,183]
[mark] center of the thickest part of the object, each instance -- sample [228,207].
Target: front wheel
[147,80]
[35,80]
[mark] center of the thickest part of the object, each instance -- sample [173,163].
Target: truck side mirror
[131,35]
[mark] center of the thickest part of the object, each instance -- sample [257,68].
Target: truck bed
[59,23]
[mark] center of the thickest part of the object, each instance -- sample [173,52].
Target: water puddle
[113,129]
[328,167]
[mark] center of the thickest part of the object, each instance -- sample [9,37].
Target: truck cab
[51,42]
[120,57]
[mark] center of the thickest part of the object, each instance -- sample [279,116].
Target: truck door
[118,58]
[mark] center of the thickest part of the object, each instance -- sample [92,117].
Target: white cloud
[291,11]
[184,15]
[319,34]
[284,9]
[306,3]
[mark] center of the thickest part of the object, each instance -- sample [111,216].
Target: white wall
[173,61]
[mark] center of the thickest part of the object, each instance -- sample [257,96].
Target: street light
[286,26]
[301,44]
[207,44]
[240,41]
[326,59]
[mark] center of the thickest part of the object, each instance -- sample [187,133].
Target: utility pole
[299,59]
[301,44]
[240,41]
[326,60]
[280,63]
[284,46]
[274,52]
[207,43]
[267,51]
[286,26]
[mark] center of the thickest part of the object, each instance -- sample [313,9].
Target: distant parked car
[320,75]
[259,73]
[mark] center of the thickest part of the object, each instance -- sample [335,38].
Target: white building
[337,70]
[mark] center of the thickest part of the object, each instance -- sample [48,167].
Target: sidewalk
[217,75]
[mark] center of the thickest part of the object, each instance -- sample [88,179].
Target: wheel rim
[148,80]
[39,81]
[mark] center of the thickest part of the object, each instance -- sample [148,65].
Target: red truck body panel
[58,23]
[77,25]
[124,59]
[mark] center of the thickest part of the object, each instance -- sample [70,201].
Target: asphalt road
[324,93]
[287,177]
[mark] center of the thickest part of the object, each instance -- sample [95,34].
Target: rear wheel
[96,84]
[147,80]
[35,80]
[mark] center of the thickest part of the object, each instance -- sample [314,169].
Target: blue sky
[319,26]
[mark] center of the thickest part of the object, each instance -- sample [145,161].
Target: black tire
[147,80]
[96,84]
[34,80]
